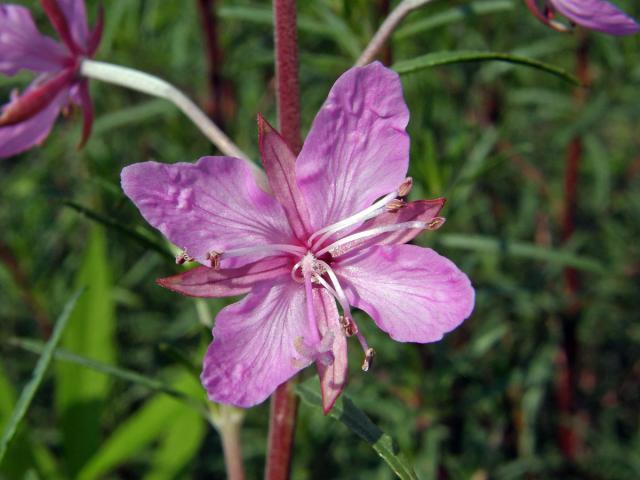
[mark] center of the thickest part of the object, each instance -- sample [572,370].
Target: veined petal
[253,350]
[279,164]
[357,149]
[22,136]
[23,47]
[76,14]
[420,210]
[412,293]
[333,377]
[207,282]
[597,15]
[212,205]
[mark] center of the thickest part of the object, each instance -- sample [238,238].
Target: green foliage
[490,136]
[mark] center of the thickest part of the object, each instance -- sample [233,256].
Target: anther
[405,187]
[395,205]
[348,326]
[435,223]
[183,257]
[214,258]
[368,359]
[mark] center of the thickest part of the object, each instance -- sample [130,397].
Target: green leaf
[158,386]
[81,393]
[445,58]
[456,14]
[142,239]
[30,389]
[495,246]
[359,423]
[138,431]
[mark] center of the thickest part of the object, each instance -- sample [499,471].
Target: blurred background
[541,382]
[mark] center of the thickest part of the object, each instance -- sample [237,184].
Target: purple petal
[357,149]
[333,377]
[420,210]
[22,136]
[212,205]
[597,15]
[412,293]
[23,47]
[207,282]
[279,164]
[76,15]
[253,349]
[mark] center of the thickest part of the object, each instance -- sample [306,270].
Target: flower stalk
[387,28]
[151,85]
[284,403]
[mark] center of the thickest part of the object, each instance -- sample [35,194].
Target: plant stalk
[387,28]
[284,403]
[228,424]
[151,85]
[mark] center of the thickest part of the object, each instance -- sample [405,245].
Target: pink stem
[284,403]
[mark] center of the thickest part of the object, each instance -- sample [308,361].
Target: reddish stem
[208,20]
[287,86]
[284,403]
[570,442]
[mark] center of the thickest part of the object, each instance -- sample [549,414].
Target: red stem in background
[284,403]
[384,7]
[569,441]
[209,23]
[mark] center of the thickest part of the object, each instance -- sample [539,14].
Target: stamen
[370,212]
[183,257]
[273,249]
[349,327]
[214,258]
[368,359]
[405,187]
[311,314]
[395,205]
[436,223]
[371,233]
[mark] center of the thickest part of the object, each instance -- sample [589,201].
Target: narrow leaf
[445,58]
[359,423]
[30,389]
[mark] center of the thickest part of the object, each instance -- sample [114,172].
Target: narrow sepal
[59,21]
[96,33]
[87,112]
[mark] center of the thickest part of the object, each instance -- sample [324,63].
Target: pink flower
[596,15]
[28,118]
[330,237]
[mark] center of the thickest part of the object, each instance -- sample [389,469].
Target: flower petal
[412,293]
[597,15]
[279,164]
[253,350]
[420,210]
[23,47]
[22,136]
[333,377]
[212,205]
[76,14]
[357,149]
[207,282]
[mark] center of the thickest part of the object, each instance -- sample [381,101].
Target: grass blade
[359,423]
[446,58]
[30,389]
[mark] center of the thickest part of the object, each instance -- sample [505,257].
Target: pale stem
[228,421]
[387,28]
[151,85]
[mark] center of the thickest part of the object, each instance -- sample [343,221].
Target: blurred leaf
[29,391]
[455,14]
[116,372]
[558,257]
[148,423]
[81,393]
[359,423]
[143,240]
[132,115]
[445,58]
[182,437]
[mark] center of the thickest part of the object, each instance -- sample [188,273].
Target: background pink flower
[28,118]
